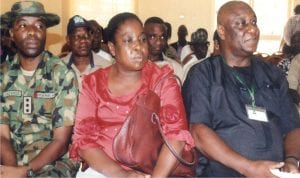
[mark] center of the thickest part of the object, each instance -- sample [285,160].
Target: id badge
[257,113]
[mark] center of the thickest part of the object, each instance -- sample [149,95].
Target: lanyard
[250,90]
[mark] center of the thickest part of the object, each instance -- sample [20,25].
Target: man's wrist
[293,159]
[244,166]
[29,172]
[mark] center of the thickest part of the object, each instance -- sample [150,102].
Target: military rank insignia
[27,105]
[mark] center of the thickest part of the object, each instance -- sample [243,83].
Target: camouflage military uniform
[33,108]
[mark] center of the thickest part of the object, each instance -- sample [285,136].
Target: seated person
[98,44]
[242,116]
[157,40]
[38,101]
[199,47]
[169,51]
[182,33]
[82,59]
[216,47]
[108,95]
[294,72]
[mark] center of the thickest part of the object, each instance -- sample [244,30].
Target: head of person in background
[82,58]
[38,113]
[156,37]
[182,34]
[169,51]
[8,48]
[97,32]
[155,31]
[199,44]
[216,47]
[297,9]
[294,48]
[292,25]
[168,30]
[288,53]
[79,38]
[181,42]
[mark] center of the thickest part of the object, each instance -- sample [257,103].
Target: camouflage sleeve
[66,98]
[3,112]
[3,115]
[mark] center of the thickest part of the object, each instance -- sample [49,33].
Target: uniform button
[105,130]
[117,107]
[115,129]
[126,112]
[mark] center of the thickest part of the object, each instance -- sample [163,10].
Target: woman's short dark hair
[116,21]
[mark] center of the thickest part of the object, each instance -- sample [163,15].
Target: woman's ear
[111,48]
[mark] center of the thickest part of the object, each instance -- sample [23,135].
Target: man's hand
[262,168]
[12,171]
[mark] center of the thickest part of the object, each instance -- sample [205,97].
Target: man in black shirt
[242,117]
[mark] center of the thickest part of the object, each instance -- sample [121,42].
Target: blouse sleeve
[172,113]
[86,130]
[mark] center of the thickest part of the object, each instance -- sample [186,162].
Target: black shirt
[213,96]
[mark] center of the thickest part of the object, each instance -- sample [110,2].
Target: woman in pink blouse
[109,94]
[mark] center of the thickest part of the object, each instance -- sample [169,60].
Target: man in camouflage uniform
[38,100]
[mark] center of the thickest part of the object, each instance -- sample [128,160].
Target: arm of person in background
[291,116]
[294,78]
[172,116]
